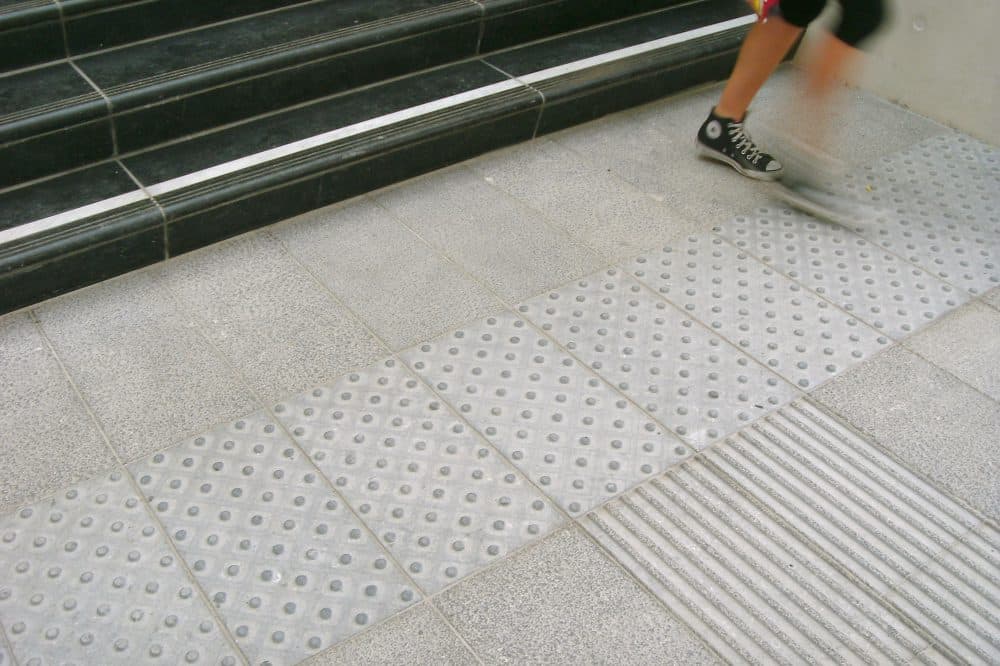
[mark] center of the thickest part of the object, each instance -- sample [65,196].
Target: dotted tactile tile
[690,380]
[958,175]
[87,577]
[890,294]
[579,440]
[939,213]
[800,336]
[434,492]
[288,566]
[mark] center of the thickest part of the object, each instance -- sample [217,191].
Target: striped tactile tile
[797,541]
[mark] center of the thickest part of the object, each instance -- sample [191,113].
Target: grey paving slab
[391,279]
[730,539]
[417,636]
[954,173]
[967,344]
[287,565]
[956,599]
[492,236]
[800,336]
[141,364]
[881,289]
[432,490]
[268,316]
[938,425]
[564,601]
[5,658]
[575,437]
[586,201]
[47,438]
[689,379]
[88,577]
[937,216]
[665,165]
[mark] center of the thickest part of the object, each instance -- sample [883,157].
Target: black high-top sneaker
[727,141]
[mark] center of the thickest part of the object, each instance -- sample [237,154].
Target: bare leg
[763,50]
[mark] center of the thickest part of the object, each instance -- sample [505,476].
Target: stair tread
[167,162]
[235,42]
[602,39]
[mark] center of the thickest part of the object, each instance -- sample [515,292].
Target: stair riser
[55,152]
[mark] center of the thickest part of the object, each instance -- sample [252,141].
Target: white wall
[940,58]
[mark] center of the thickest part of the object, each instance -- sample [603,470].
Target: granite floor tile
[587,202]
[936,424]
[88,577]
[431,489]
[492,236]
[692,381]
[268,316]
[795,333]
[416,636]
[390,278]
[140,363]
[286,564]
[967,344]
[575,437]
[47,438]
[563,601]
[879,288]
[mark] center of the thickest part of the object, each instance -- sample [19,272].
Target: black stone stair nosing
[93,249]
[30,34]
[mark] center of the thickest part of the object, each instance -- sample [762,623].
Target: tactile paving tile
[289,568]
[434,492]
[579,440]
[890,294]
[730,541]
[690,380]
[800,336]
[87,577]
[943,219]
[5,658]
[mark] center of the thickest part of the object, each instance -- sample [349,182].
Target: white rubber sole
[708,153]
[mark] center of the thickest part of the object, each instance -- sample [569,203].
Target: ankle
[728,114]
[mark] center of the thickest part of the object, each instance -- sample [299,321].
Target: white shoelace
[744,143]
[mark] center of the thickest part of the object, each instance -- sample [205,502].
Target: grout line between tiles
[107,104]
[541,94]
[123,469]
[6,644]
[268,409]
[62,29]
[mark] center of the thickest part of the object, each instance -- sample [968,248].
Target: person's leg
[764,48]
[722,136]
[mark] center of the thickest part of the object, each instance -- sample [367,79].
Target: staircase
[133,131]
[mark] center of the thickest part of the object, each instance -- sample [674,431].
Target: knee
[861,21]
[801,13]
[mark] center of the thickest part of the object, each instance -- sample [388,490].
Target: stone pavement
[585,400]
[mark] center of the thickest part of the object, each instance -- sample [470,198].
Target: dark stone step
[222,183]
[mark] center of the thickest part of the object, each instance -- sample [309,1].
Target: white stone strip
[61,219]
[638,49]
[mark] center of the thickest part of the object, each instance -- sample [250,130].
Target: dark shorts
[859,19]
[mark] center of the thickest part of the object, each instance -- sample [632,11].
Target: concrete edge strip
[68,217]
